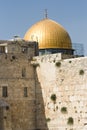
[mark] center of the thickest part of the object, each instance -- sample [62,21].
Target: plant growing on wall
[13,57]
[36,65]
[70,121]
[53,98]
[33,59]
[70,61]
[48,119]
[81,72]
[56,107]
[58,64]
[64,110]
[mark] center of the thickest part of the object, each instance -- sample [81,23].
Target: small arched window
[4,91]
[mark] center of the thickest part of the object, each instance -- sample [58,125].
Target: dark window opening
[25,92]
[4,91]
[7,107]
[24,72]
[2,49]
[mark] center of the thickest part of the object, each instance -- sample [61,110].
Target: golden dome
[49,34]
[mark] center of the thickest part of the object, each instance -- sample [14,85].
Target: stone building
[17,85]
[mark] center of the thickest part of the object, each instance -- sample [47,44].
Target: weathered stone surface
[70,88]
[17,111]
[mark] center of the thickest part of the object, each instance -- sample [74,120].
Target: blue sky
[16,16]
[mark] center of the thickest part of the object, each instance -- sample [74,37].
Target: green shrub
[56,107]
[36,65]
[48,119]
[70,121]
[54,60]
[58,64]
[64,110]
[81,72]
[70,61]
[33,59]
[53,97]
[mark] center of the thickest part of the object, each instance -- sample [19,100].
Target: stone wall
[22,109]
[67,80]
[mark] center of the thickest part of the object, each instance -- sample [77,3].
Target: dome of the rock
[49,34]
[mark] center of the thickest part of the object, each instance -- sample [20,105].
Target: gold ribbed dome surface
[49,34]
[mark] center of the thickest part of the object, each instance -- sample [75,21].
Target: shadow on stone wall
[41,122]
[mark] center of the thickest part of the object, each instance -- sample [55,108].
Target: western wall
[66,80]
